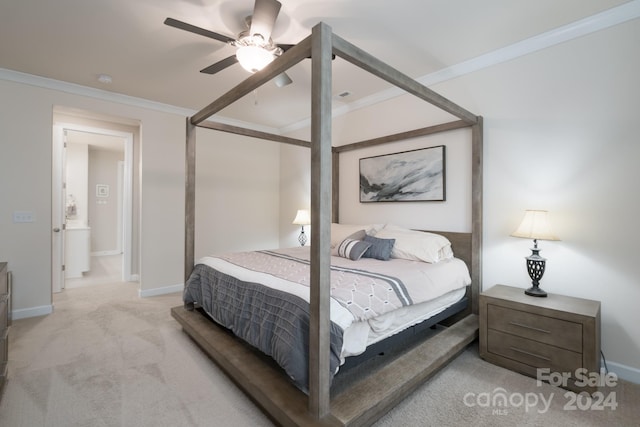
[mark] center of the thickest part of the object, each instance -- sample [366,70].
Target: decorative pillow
[339,232]
[417,245]
[352,248]
[380,248]
[358,235]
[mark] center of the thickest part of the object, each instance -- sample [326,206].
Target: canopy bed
[365,400]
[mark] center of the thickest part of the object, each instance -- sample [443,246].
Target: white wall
[238,197]
[560,134]
[295,191]
[237,193]
[24,164]
[103,211]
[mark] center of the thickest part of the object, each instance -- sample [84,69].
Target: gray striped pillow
[353,249]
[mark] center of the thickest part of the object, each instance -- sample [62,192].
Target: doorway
[92,204]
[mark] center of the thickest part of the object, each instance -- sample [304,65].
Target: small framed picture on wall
[102,190]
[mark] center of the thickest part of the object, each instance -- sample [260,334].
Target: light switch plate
[24,216]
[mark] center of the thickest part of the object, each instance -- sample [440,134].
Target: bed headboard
[461,244]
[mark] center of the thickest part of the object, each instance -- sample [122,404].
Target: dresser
[558,334]
[5,300]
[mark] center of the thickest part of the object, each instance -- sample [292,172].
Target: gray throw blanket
[275,322]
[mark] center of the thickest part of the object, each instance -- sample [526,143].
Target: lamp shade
[302,218]
[535,225]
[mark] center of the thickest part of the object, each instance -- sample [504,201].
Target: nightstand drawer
[532,353]
[548,330]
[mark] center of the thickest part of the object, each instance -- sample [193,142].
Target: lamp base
[302,238]
[535,291]
[535,268]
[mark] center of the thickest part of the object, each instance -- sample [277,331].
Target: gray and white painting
[417,175]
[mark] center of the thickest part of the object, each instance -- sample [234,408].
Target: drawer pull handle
[522,325]
[530,354]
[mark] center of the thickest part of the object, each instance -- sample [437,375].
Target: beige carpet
[108,358]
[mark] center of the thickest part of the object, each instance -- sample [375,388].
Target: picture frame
[102,190]
[408,176]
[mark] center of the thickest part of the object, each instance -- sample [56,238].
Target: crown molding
[76,89]
[608,18]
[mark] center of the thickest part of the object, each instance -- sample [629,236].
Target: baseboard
[24,313]
[143,293]
[624,372]
[43,310]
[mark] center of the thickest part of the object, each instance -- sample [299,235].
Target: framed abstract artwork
[409,176]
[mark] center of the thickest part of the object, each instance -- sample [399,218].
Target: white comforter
[358,308]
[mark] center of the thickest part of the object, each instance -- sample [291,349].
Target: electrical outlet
[24,216]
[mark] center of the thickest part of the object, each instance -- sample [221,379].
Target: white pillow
[417,245]
[339,232]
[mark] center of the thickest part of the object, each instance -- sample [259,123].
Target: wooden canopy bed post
[190,201]
[362,403]
[321,173]
[477,148]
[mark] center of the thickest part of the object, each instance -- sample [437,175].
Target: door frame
[58,202]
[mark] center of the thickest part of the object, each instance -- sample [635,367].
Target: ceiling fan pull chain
[255,97]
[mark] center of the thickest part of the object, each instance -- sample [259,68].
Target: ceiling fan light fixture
[254,58]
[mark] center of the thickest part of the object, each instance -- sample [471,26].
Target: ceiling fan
[254,47]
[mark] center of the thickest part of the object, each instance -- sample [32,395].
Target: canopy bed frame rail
[363,402]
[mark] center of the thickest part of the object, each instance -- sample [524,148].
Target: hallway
[104,269]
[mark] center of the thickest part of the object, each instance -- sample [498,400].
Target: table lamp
[302,218]
[535,225]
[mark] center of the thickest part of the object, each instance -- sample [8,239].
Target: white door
[57,209]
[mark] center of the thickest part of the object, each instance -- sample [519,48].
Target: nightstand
[524,333]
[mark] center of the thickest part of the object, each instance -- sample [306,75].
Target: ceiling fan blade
[197,30]
[282,79]
[220,65]
[265,13]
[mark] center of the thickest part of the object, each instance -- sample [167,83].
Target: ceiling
[75,41]
[96,141]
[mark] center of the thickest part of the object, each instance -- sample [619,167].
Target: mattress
[370,299]
[359,335]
